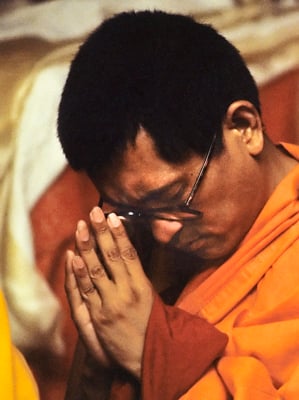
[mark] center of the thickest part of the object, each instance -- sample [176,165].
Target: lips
[195,245]
[190,246]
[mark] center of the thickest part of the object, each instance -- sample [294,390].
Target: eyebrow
[152,194]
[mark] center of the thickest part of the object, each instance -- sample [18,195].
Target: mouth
[190,246]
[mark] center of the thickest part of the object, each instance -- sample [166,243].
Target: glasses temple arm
[202,170]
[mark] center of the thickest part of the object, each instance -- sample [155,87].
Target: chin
[208,250]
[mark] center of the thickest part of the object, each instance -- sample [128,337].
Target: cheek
[232,202]
[231,218]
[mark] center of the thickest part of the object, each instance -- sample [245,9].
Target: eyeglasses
[181,212]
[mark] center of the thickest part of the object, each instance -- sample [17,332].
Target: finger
[86,249]
[78,306]
[127,251]
[109,248]
[85,284]
[80,313]
[70,283]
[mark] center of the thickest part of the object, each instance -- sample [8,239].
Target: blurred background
[41,199]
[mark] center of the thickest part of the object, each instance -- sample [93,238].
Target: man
[164,116]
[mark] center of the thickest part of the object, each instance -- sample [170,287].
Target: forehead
[141,169]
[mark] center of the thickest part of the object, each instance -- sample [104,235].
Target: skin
[110,305]
[111,298]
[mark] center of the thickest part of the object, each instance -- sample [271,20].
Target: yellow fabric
[26,63]
[16,380]
[254,298]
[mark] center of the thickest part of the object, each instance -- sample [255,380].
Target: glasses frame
[130,213]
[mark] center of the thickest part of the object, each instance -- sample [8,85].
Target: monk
[17,381]
[164,116]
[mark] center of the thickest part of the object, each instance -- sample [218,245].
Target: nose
[163,231]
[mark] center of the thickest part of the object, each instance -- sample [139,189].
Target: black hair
[171,75]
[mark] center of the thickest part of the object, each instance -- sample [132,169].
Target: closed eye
[170,195]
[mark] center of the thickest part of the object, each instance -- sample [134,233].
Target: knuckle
[85,251]
[85,245]
[113,254]
[101,229]
[81,272]
[89,290]
[120,232]
[105,320]
[129,298]
[129,253]
[97,272]
[142,290]
[113,312]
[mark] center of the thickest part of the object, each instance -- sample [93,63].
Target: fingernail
[83,231]
[114,220]
[97,215]
[69,254]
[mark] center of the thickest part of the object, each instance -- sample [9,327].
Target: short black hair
[168,73]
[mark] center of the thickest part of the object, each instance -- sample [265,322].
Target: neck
[174,268]
[278,163]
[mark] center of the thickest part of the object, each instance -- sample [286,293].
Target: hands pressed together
[109,294]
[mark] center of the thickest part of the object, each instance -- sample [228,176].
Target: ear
[244,118]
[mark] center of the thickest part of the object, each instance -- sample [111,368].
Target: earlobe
[243,117]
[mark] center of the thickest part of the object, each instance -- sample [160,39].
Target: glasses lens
[177,215]
[167,215]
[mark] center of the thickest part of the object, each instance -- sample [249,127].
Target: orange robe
[16,380]
[254,298]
